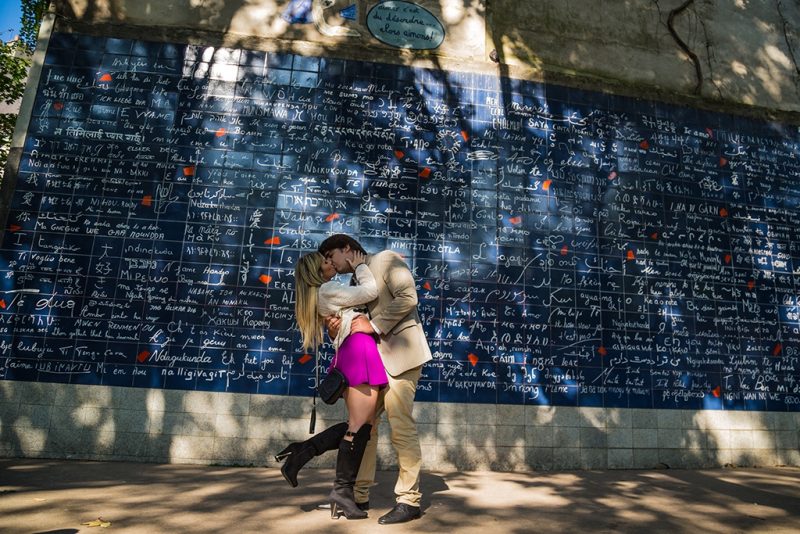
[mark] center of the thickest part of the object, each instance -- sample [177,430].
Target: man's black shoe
[401,513]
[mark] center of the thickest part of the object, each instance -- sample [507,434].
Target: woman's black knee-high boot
[347,464]
[299,453]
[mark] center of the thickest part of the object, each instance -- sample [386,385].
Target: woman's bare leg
[361,401]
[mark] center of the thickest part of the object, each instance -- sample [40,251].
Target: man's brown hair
[340,241]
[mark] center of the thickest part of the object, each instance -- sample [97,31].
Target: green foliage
[32,13]
[14,64]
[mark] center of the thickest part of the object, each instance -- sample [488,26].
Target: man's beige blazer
[403,345]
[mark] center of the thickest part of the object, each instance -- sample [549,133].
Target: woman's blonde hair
[307,279]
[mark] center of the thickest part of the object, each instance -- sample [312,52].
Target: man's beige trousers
[398,402]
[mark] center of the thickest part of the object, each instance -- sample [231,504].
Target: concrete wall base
[148,425]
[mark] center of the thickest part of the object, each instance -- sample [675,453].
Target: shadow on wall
[168,426]
[564,438]
[735,51]
[137,424]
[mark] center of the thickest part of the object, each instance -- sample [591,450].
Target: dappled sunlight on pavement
[51,495]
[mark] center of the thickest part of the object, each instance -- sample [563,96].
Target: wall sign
[570,247]
[405,25]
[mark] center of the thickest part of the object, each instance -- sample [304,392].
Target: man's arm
[398,279]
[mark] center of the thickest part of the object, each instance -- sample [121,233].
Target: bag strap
[313,421]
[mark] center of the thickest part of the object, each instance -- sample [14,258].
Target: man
[404,349]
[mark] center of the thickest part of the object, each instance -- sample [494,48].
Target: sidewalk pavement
[56,496]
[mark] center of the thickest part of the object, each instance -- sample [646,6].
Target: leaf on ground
[99,522]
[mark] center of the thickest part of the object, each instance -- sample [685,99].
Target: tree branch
[698,71]
[786,36]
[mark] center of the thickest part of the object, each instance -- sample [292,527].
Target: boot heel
[292,447]
[298,454]
[334,510]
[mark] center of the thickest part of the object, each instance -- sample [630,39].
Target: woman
[357,357]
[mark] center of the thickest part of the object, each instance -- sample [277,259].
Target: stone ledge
[248,429]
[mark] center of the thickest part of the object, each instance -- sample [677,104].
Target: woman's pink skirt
[358,359]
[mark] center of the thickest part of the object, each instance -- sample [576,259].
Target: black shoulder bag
[333,385]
